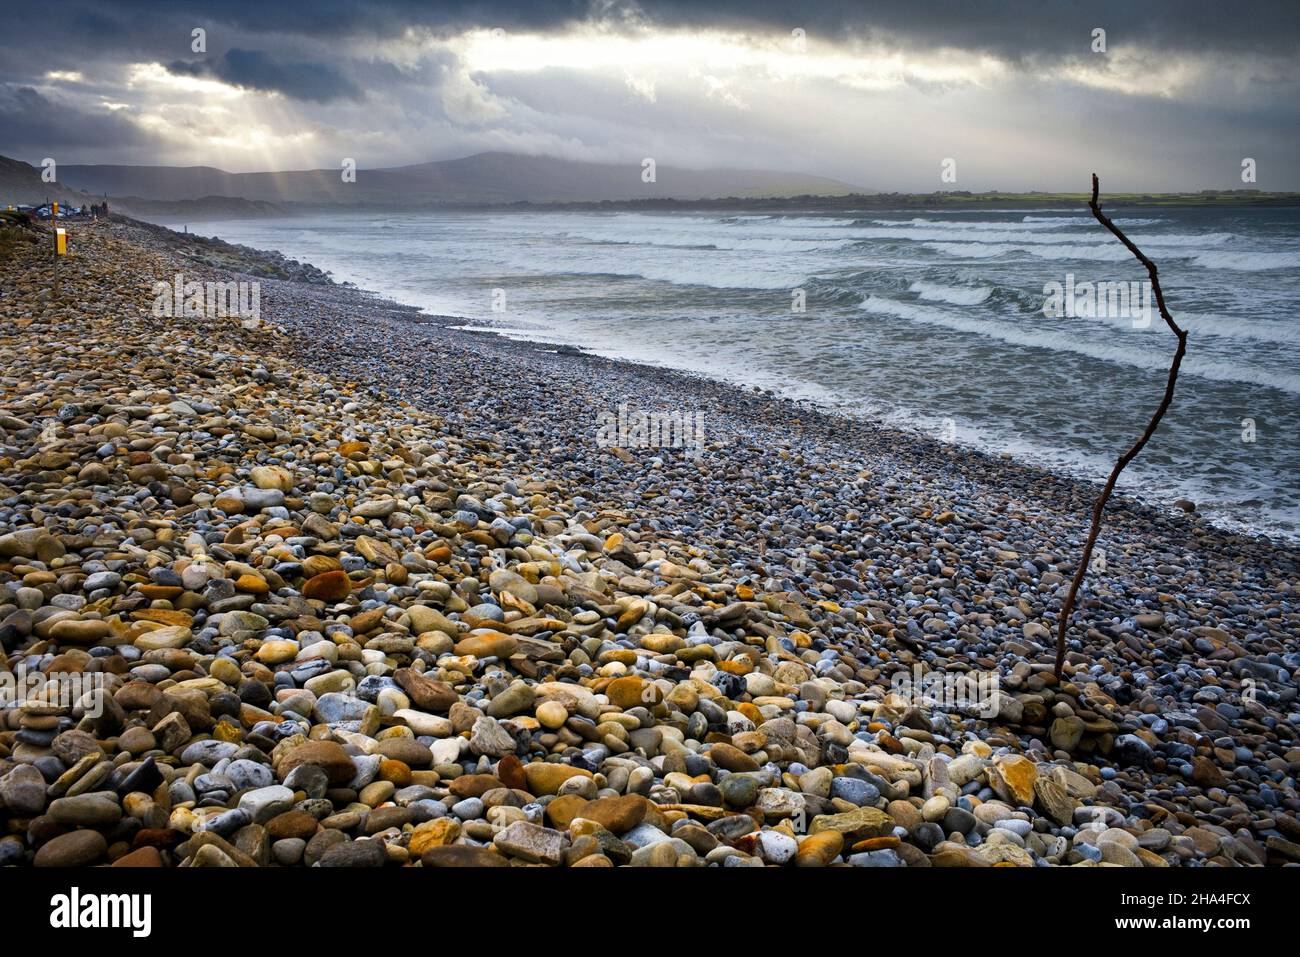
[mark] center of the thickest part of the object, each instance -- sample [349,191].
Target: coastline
[885,551]
[217,208]
[1257,507]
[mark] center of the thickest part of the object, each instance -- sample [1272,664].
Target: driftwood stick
[1099,505]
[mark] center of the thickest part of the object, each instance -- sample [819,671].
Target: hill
[21,184]
[483,178]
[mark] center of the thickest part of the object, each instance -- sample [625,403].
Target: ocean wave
[1211,259]
[632,242]
[1226,328]
[802,234]
[1172,248]
[957,295]
[712,236]
[790,245]
[1027,223]
[1051,337]
[1017,236]
[1089,221]
[817,222]
[1248,261]
[992,250]
[713,275]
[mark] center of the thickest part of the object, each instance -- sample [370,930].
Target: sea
[1030,332]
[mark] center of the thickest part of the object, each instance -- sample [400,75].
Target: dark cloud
[256,70]
[33,124]
[353,85]
[1017,29]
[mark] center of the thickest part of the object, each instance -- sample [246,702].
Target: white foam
[1243,261]
[977,250]
[1248,261]
[1050,335]
[957,295]
[1090,221]
[1229,328]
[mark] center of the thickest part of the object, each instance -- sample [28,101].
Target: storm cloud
[257,70]
[880,94]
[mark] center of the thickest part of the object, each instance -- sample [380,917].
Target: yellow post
[54,210]
[60,242]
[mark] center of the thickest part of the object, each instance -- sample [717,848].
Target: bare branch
[1098,506]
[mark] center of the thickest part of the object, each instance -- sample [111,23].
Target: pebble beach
[345,586]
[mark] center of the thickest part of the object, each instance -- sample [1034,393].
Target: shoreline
[211,209]
[368,591]
[829,421]
[1137,492]
[1140,498]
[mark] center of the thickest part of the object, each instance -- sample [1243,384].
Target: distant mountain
[21,185]
[482,178]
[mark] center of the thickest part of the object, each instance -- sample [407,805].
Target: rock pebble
[289,604]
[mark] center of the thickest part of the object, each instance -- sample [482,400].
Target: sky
[1014,95]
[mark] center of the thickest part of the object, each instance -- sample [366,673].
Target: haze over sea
[929,321]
